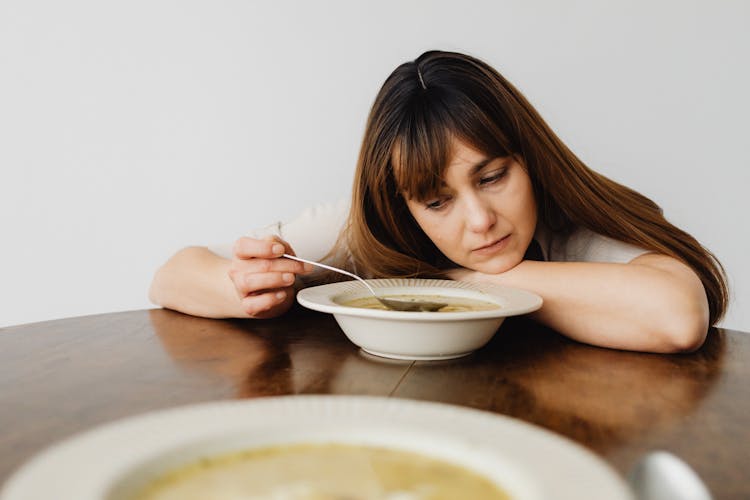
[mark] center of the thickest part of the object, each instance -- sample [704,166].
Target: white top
[313,233]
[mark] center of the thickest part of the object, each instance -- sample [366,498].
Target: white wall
[131,129]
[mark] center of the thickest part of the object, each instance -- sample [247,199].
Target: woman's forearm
[195,281]
[654,303]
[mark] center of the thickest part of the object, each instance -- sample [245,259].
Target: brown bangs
[424,143]
[419,162]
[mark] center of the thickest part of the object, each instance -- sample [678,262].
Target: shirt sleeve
[584,245]
[311,234]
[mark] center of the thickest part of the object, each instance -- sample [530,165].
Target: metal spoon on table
[663,476]
[388,303]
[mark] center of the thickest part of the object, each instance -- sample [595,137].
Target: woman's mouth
[493,247]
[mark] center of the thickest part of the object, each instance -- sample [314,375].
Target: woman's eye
[493,177]
[436,204]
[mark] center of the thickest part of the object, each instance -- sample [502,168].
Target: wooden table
[61,377]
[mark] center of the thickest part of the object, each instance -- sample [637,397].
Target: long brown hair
[441,96]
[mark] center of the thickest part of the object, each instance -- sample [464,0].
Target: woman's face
[484,217]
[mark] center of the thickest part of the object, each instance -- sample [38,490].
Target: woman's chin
[495,266]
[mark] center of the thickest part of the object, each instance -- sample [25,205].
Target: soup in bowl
[446,304]
[313,447]
[321,471]
[472,314]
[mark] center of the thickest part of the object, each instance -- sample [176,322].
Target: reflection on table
[62,377]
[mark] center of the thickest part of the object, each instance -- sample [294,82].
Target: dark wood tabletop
[61,377]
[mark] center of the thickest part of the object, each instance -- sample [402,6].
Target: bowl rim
[512,301]
[528,460]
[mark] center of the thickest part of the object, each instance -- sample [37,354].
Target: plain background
[131,129]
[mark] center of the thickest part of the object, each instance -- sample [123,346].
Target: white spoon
[663,476]
[393,304]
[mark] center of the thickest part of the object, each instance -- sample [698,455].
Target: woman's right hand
[264,280]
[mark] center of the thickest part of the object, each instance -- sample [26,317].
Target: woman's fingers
[268,248]
[258,265]
[259,274]
[251,282]
[258,271]
[255,283]
[255,305]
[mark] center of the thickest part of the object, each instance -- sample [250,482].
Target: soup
[454,304]
[322,472]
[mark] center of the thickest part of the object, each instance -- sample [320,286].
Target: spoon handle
[331,268]
[660,475]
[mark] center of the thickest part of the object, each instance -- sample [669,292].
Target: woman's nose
[480,217]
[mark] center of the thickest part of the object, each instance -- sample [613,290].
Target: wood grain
[61,377]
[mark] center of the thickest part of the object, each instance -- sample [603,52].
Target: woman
[459,176]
